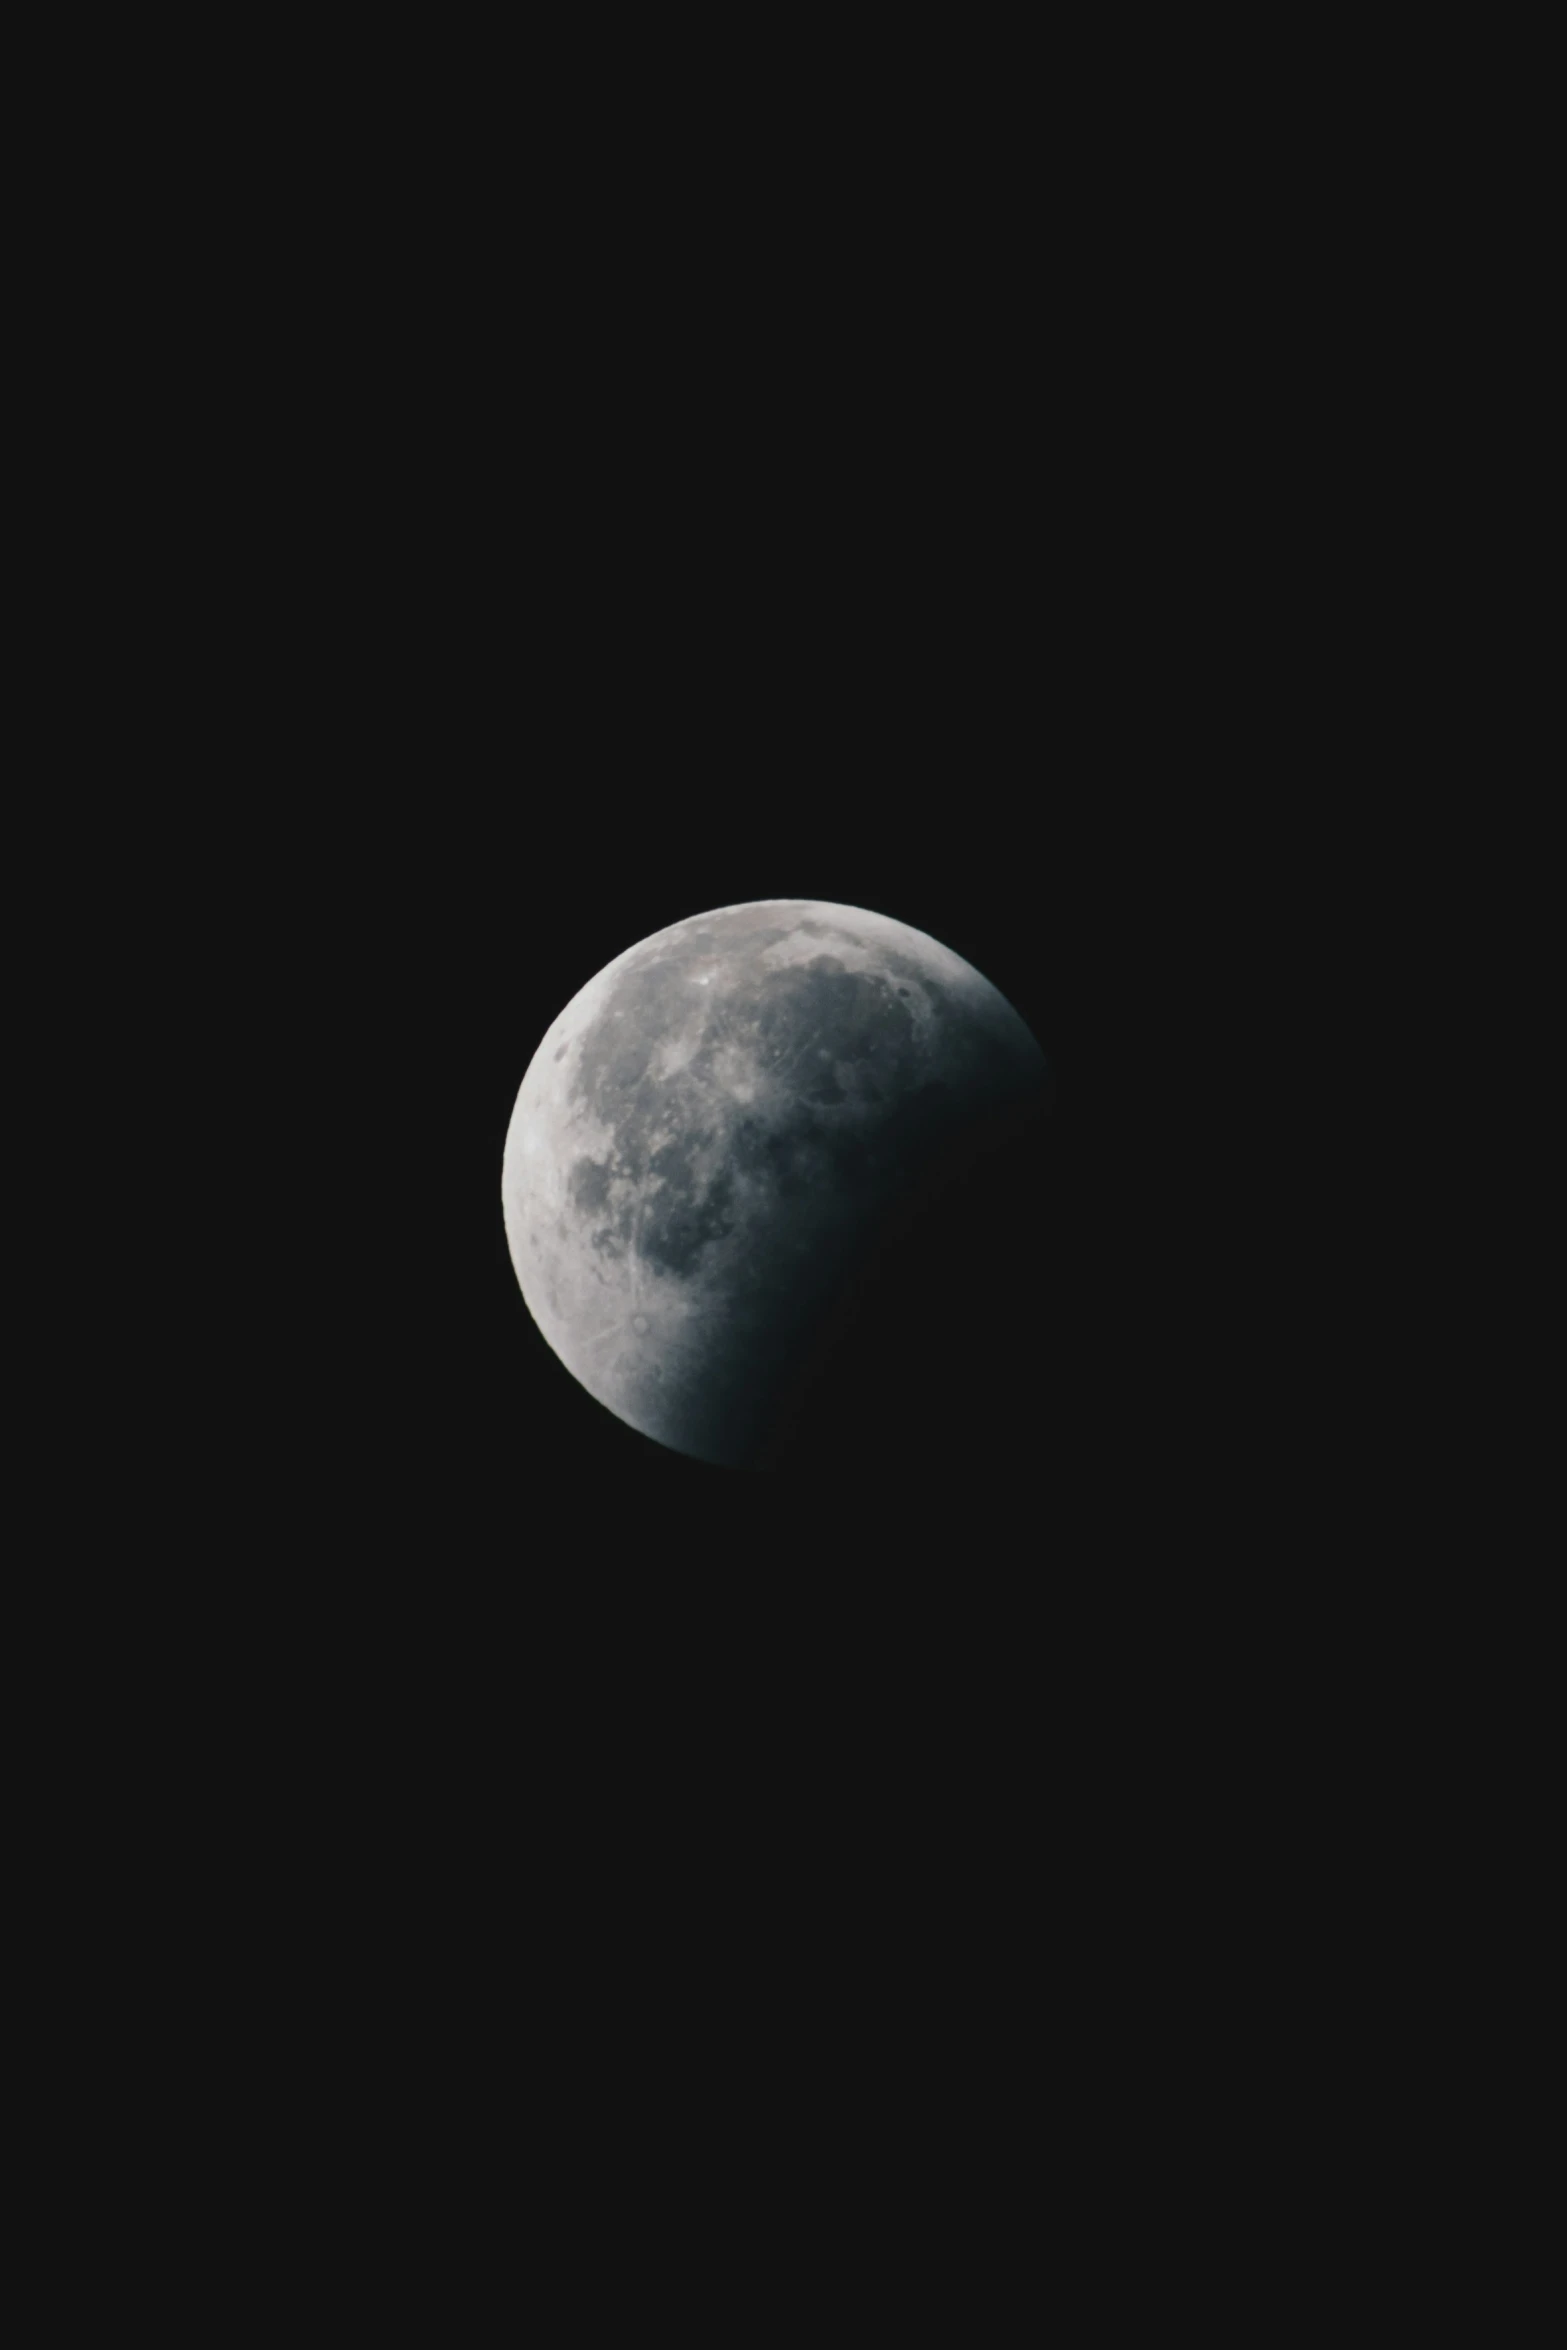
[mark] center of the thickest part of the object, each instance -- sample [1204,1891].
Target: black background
[625,596]
[944,678]
[602,577]
[573,551]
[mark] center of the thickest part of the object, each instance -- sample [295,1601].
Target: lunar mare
[713,1132]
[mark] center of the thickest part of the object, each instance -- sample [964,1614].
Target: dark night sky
[556,497]
[604,576]
[617,545]
[607,562]
[893,589]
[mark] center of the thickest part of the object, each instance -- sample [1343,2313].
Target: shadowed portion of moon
[743,1153]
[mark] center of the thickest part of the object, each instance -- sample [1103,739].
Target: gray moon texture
[711,1136]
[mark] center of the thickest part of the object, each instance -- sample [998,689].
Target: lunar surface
[721,1131]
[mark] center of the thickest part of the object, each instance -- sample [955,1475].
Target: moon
[719,1133]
